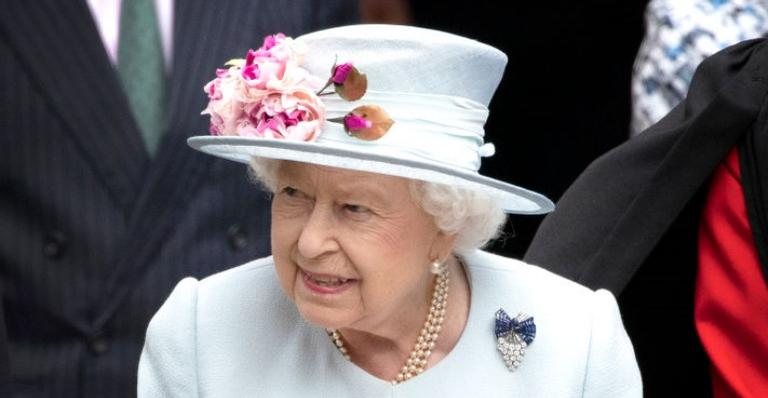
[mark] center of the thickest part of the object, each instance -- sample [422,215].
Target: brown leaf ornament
[367,122]
[348,82]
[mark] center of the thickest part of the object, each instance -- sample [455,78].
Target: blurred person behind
[386,11]
[674,223]
[678,36]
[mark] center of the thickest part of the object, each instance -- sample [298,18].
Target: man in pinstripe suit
[94,232]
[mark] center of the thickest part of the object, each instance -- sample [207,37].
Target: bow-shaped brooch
[513,335]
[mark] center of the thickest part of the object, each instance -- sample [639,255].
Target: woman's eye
[290,191]
[357,209]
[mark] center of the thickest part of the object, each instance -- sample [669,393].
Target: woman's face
[352,249]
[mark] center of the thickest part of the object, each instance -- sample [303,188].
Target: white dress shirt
[106,14]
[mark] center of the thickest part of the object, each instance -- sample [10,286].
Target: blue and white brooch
[513,335]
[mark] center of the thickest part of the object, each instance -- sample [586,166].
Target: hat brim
[512,199]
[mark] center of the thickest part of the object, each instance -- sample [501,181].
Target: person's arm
[612,369]
[168,365]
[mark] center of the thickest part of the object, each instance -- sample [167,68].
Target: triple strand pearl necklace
[417,360]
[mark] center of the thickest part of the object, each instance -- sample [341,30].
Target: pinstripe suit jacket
[93,233]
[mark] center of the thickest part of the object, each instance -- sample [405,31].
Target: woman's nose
[318,235]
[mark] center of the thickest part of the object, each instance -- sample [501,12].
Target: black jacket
[629,222]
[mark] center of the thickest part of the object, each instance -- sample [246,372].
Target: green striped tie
[141,68]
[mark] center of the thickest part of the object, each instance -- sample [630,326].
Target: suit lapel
[60,47]
[177,171]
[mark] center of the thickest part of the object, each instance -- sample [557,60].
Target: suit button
[54,245]
[98,345]
[237,237]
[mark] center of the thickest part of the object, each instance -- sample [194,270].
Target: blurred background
[565,96]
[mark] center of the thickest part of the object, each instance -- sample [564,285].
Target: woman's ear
[442,246]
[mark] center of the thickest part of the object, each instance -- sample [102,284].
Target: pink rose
[267,94]
[223,104]
[272,40]
[251,72]
[295,116]
[217,125]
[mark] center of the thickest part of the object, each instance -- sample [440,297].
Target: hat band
[439,128]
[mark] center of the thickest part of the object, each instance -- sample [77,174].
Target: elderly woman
[369,138]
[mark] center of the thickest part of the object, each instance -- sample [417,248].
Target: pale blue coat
[235,334]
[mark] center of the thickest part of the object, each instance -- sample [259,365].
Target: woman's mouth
[325,284]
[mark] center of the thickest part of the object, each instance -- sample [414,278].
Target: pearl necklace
[417,360]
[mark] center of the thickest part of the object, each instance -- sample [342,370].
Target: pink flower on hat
[223,106]
[272,40]
[267,94]
[293,116]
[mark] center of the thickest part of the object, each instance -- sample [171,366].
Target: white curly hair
[475,217]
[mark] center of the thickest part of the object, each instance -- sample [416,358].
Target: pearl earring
[437,267]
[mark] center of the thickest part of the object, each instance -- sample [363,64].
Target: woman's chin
[330,309]
[323,318]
